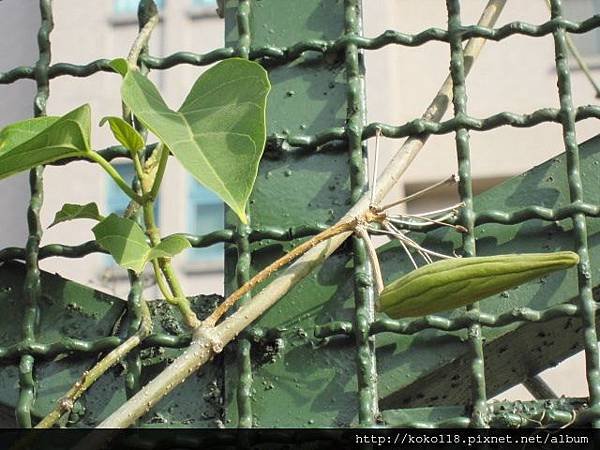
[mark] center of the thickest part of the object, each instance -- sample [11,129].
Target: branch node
[206,334]
[66,404]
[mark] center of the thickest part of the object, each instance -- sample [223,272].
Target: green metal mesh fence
[29,351]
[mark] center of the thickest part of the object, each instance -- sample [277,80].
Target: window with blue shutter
[205,214]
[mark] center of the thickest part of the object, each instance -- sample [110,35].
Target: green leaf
[19,132]
[71,211]
[451,283]
[120,66]
[169,247]
[124,133]
[27,145]
[124,240]
[219,132]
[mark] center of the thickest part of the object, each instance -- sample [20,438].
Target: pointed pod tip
[571,257]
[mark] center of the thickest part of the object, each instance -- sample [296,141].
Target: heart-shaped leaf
[71,211]
[40,141]
[124,133]
[219,132]
[125,240]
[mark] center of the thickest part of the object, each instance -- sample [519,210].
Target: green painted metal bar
[278,143]
[32,287]
[244,256]
[363,279]
[465,190]
[587,305]
[287,54]
[525,414]
[133,359]
[294,190]
[244,345]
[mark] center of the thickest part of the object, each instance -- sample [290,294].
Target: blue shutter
[205,214]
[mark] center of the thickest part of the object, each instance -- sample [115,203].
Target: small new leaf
[31,143]
[71,211]
[452,283]
[218,134]
[119,65]
[169,247]
[124,240]
[124,133]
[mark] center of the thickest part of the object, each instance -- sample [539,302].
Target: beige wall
[514,75]
[16,103]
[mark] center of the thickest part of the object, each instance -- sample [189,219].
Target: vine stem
[112,172]
[207,341]
[160,172]
[160,281]
[150,181]
[141,41]
[166,268]
[151,186]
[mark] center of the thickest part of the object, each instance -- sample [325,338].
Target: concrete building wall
[16,103]
[515,75]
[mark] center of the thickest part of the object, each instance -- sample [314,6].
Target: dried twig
[372,253]
[452,179]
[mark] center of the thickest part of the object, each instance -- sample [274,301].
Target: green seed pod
[451,283]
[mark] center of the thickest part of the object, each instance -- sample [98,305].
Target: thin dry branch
[261,276]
